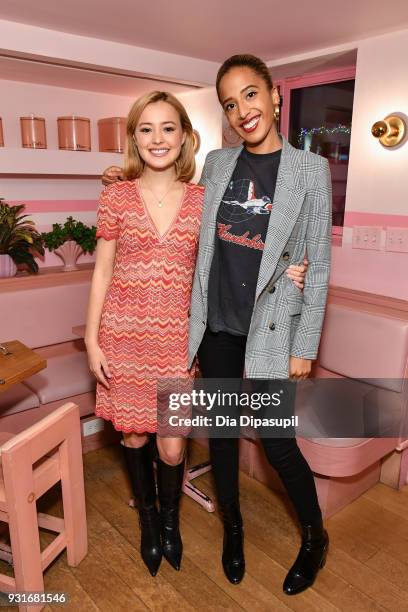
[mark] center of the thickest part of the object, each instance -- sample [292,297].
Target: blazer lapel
[286,206]
[220,181]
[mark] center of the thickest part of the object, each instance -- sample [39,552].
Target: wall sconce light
[390,131]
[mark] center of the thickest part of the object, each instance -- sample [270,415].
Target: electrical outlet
[397,239]
[367,237]
[93,426]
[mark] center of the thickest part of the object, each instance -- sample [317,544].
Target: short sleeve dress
[144,324]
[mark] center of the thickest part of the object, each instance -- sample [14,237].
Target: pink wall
[377,184]
[205,113]
[378,178]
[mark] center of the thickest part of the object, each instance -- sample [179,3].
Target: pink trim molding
[366,218]
[33,206]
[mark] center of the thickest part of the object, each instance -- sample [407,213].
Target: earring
[276,104]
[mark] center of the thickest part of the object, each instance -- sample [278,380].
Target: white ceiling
[334,61]
[215,29]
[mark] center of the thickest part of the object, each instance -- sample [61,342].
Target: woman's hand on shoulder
[297,274]
[98,364]
[112,175]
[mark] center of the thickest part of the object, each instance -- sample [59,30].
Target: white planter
[69,253]
[7,266]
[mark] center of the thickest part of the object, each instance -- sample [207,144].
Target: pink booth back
[40,311]
[365,345]
[40,314]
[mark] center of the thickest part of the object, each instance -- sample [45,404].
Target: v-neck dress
[144,324]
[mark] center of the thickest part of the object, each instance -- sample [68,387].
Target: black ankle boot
[311,558]
[140,466]
[233,560]
[169,481]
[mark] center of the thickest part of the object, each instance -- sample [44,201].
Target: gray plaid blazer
[284,320]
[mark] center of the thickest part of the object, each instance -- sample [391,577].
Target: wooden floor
[366,569]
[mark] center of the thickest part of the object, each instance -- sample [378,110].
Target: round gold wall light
[390,131]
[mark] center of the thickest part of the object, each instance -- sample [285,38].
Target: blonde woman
[137,325]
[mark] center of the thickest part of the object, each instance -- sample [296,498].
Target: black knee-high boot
[140,467]
[169,481]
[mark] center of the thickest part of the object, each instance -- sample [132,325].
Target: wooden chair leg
[403,480]
[25,541]
[73,498]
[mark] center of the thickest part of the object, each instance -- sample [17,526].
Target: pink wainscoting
[379,272]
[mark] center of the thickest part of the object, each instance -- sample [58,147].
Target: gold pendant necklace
[161,200]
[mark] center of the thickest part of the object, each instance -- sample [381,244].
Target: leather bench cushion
[17,399]
[365,345]
[65,376]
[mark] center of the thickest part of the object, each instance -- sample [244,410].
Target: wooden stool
[32,462]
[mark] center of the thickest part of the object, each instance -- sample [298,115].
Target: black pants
[222,355]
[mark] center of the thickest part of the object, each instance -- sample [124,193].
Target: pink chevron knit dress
[144,325]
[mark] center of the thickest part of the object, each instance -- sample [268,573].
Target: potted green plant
[19,240]
[70,240]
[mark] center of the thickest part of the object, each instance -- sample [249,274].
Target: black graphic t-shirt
[242,224]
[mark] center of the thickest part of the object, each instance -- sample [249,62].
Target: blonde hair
[134,164]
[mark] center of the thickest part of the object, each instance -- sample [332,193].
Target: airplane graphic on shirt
[252,205]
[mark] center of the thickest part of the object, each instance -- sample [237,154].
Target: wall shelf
[52,276]
[50,162]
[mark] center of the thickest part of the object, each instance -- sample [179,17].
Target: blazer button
[271,289]
[272,326]
[286,256]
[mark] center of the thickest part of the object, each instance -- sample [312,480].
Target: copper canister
[1,133]
[112,134]
[74,133]
[33,135]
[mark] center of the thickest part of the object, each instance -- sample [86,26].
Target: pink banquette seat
[370,348]
[40,312]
